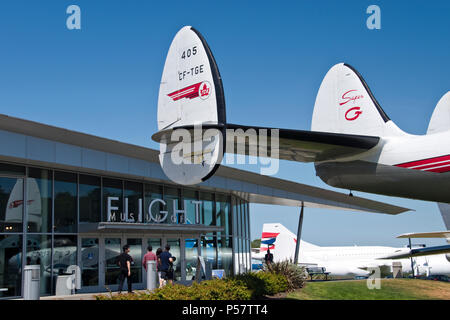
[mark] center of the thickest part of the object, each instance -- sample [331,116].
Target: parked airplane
[347,260]
[353,143]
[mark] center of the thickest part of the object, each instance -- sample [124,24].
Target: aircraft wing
[427,251]
[294,145]
[435,234]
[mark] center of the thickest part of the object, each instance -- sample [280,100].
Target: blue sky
[272,55]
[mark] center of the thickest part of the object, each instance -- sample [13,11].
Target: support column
[299,234]
[412,264]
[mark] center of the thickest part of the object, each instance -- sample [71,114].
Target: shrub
[263,283]
[227,289]
[295,275]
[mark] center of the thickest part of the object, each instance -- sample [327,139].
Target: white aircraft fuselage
[410,166]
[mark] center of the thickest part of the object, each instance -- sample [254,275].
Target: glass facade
[90,198]
[10,265]
[41,211]
[66,193]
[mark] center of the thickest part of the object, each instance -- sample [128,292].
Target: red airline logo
[201,89]
[17,203]
[354,112]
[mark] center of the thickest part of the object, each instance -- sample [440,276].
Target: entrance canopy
[147,229]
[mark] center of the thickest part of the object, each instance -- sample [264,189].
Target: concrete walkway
[82,296]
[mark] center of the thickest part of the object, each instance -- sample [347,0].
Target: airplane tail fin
[190,95]
[345,104]
[281,242]
[440,120]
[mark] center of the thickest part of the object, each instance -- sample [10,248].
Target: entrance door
[89,263]
[135,253]
[112,248]
[99,269]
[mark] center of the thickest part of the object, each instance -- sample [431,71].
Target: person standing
[268,258]
[124,262]
[167,265]
[149,256]
[158,267]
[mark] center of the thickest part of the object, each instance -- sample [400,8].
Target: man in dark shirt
[268,258]
[124,261]
[166,261]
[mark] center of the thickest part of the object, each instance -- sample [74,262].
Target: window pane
[172,198]
[65,202]
[153,192]
[155,243]
[64,253]
[207,207]
[223,213]
[191,253]
[11,204]
[90,199]
[89,262]
[39,252]
[136,253]
[10,265]
[39,200]
[235,217]
[112,200]
[209,250]
[189,206]
[112,270]
[11,169]
[133,196]
[225,258]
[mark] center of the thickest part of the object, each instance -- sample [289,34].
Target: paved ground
[81,296]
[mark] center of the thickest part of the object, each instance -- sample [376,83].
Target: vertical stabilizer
[440,120]
[281,242]
[345,104]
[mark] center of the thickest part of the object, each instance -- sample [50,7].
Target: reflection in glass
[223,213]
[207,207]
[11,204]
[133,197]
[191,254]
[12,170]
[112,195]
[175,251]
[189,206]
[39,252]
[225,255]
[90,193]
[172,198]
[65,202]
[39,200]
[10,265]
[64,253]
[112,251]
[209,250]
[136,254]
[155,243]
[153,192]
[89,262]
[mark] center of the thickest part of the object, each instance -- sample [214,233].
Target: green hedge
[275,278]
[227,289]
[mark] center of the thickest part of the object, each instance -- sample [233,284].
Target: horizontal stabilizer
[435,234]
[285,144]
[427,251]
